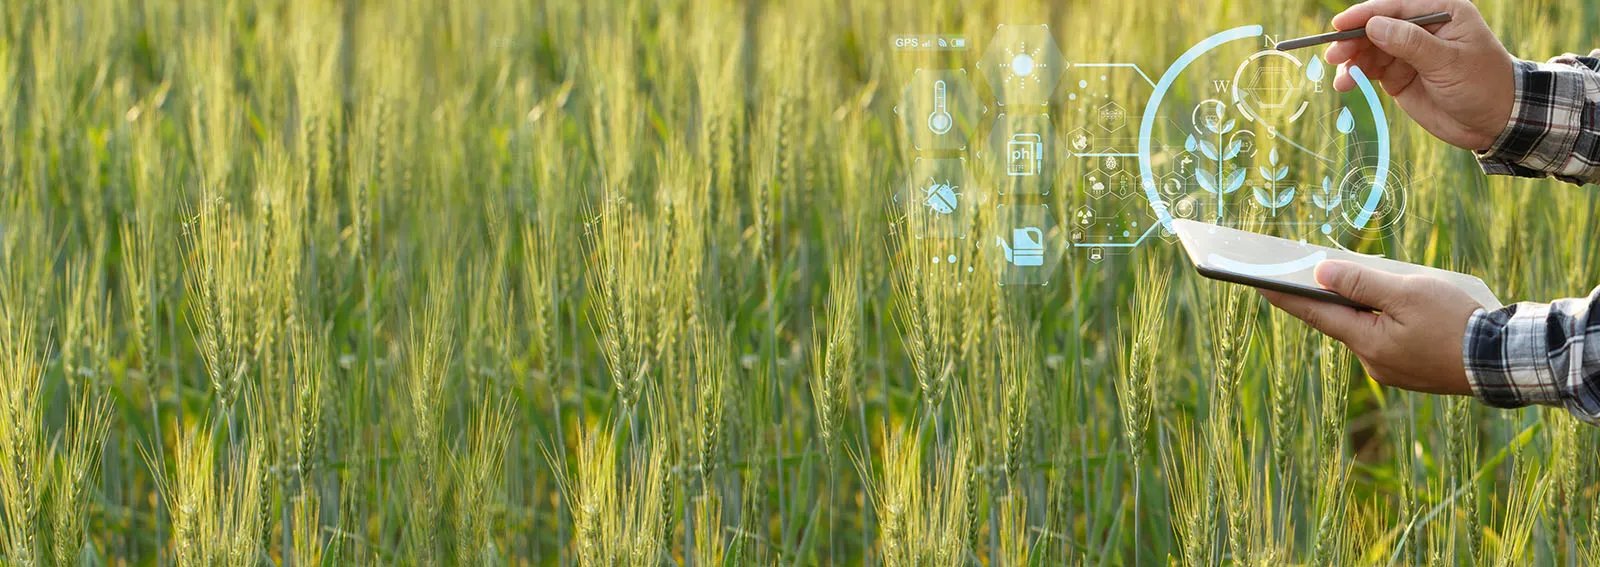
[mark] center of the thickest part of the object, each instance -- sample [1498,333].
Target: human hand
[1457,81]
[1414,343]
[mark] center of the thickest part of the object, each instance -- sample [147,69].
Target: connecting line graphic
[1279,135]
[1146,234]
[1142,75]
[1135,68]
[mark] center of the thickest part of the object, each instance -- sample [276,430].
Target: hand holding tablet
[1287,266]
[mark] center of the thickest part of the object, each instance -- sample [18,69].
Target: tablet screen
[1260,257]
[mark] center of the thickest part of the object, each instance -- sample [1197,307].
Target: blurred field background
[495,282]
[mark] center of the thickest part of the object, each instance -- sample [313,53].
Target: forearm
[1532,353]
[1555,123]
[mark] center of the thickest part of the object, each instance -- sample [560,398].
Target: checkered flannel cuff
[1506,357]
[1552,127]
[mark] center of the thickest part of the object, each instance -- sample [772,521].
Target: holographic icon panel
[1025,245]
[939,109]
[940,199]
[1021,154]
[1022,65]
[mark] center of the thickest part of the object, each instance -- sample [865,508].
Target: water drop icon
[1315,70]
[1346,123]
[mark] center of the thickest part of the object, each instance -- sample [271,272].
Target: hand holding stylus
[1454,79]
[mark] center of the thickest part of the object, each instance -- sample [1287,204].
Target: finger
[1410,43]
[1347,325]
[1358,15]
[1344,82]
[1342,51]
[1378,66]
[1372,61]
[1360,283]
[1397,77]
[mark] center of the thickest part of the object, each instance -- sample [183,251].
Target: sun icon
[1025,66]
[1022,65]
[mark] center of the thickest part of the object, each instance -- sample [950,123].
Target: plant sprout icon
[1328,199]
[1270,196]
[1222,181]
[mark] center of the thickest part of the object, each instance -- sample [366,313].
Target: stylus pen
[1428,20]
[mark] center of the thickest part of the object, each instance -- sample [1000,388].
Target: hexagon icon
[1096,184]
[1183,163]
[939,109]
[1080,142]
[1270,85]
[1026,245]
[1185,208]
[1267,86]
[940,199]
[1084,217]
[1022,65]
[1021,154]
[1110,116]
[1172,185]
[1109,164]
[1121,184]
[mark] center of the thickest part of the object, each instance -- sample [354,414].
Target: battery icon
[958,43]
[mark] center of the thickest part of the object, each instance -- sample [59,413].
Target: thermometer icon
[939,120]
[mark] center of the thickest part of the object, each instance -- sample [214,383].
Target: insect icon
[943,198]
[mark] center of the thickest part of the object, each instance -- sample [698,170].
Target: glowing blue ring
[1148,122]
[1380,178]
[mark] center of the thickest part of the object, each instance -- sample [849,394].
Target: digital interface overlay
[1031,157]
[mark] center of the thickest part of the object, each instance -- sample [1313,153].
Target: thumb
[1408,42]
[1360,283]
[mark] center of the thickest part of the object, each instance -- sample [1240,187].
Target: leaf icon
[1266,172]
[1329,199]
[1190,144]
[1235,181]
[1327,184]
[1234,149]
[1284,198]
[1227,127]
[1315,71]
[1346,123]
[1207,180]
[1272,157]
[1282,173]
[1209,149]
[1264,197]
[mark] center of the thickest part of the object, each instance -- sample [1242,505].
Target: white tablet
[1268,262]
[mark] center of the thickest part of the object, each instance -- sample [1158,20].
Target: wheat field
[562,282]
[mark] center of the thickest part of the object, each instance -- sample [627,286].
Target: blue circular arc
[1147,124]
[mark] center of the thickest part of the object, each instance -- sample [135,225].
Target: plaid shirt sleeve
[1555,122]
[1531,353]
